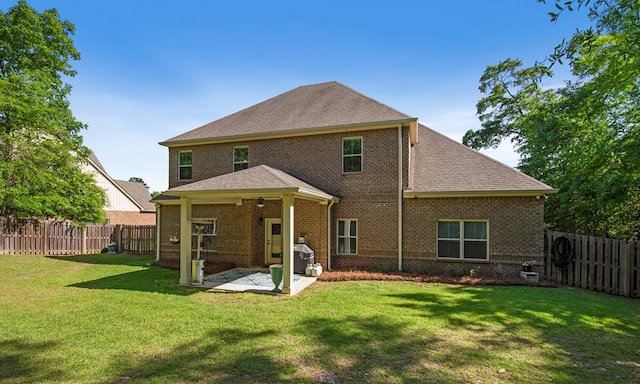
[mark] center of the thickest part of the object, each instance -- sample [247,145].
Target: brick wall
[315,159]
[241,233]
[369,196]
[515,223]
[377,240]
[131,217]
[516,227]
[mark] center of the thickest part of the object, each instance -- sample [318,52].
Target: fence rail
[595,263]
[62,238]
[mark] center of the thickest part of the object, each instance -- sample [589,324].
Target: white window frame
[241,162]
[361,154]
[181,166]
[209,232]
[462,239]
[347,236]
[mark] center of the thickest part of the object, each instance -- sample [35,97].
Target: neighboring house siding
[117,200]
[515,234]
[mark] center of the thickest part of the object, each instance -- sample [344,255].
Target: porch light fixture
[260,202]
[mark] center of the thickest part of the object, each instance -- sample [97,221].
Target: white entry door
[273,241]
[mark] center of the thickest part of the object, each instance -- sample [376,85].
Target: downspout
[400,197]
[158,232]
[329,234]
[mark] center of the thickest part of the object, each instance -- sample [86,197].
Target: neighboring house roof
[133,191]
[138,192]
[306,108]
[444,167]
[96,163]
[253,182]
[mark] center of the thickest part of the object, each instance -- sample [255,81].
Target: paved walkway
[251,280]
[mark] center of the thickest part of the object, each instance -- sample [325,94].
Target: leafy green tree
[583,137]
[42,156]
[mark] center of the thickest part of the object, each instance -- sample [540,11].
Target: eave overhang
[412,123]
[236,196]
[480,193]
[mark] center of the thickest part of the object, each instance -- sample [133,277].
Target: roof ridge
[372,99]
[273,171]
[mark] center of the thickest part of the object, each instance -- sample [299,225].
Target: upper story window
[352,154]
[460,239]
[240,158]
[185,165]
[347,236]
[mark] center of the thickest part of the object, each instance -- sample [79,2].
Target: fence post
[83,241]
[117,236]
[627,270]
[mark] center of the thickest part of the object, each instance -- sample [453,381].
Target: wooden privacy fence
[62,238]
[595,263]
[138,239]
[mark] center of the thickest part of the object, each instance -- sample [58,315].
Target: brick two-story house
[366,185]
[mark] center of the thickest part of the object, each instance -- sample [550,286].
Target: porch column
[287,244]
[185,241]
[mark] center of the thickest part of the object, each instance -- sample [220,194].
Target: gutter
[400,197]
[158,210]
[479,193]
[329,234]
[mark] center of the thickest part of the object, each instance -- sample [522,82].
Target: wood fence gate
[595,263]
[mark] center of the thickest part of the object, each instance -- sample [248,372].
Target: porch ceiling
[260,181]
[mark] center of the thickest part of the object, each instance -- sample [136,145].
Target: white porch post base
[287,244]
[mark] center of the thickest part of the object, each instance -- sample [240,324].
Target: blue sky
[151,70]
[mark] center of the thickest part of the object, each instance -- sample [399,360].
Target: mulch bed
[336,275]
[352,275]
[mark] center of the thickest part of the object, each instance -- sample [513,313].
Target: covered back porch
[260,213]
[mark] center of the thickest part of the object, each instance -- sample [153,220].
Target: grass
[112,319]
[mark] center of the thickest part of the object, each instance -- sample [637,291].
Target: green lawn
[110,318]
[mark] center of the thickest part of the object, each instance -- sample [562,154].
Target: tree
[139,180]
[42,156]
[583,137]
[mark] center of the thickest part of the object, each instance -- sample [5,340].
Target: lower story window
[209,235]
[347,236]
[460,239]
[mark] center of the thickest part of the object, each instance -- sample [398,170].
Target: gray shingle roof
[259,180]
[139,193]
[308,107]
[444,166]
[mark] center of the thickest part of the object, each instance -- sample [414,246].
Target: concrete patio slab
[251,280]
